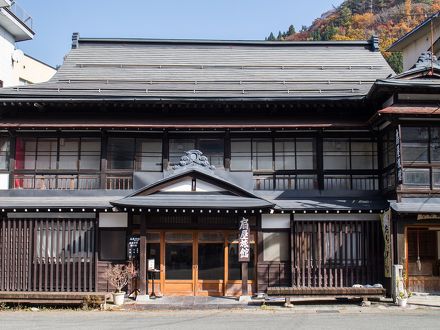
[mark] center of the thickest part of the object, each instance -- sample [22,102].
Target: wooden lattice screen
[337,254]
[47,255]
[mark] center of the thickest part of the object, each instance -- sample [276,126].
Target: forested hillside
[359,19]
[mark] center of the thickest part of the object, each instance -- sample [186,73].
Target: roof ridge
[266,43]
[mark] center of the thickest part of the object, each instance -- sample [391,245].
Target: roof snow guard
[151,70]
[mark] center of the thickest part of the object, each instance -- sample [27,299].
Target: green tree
[291,30]
[280,36]
[271,37]
[345,17]
[395,60]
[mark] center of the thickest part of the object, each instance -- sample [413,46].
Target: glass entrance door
[180,265]
[211,263]
[203,263]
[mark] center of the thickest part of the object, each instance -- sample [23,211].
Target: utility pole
[371,6]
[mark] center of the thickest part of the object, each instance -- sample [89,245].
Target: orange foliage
[363,21]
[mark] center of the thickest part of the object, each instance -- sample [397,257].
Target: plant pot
[118,298]
[402,302]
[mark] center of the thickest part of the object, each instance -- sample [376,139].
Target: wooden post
[103,174]
[143,259]
[244,278]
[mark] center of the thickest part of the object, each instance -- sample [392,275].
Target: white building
[16,68]
[419,40]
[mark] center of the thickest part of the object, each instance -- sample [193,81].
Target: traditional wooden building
[411,118]
[157,149]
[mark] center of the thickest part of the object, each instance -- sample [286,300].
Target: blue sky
[54,21]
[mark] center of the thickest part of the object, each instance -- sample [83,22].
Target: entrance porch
[196,262]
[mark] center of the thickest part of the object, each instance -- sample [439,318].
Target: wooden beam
[244,278]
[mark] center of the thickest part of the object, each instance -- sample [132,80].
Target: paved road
[221,319]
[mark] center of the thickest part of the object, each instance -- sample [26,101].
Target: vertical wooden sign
[243,241]
[386,228]
[399,170]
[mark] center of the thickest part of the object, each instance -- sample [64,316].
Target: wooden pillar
[244,278]
[227,148]
[320,160]
[12,146]
[143,259]
[103,173]
[165,151]
[292,252]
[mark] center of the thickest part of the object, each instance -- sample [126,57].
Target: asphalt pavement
[331,318]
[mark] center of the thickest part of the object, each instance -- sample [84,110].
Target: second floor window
[57,154]
[421,156]
[258,154]
[4,151]
[349,154]
[138,154]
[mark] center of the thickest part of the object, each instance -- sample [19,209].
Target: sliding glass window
[4,152]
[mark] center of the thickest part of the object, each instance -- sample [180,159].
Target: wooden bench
[55,298]
[321,292]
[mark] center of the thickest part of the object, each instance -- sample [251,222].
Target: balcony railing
[347,182]
[71,182]
[284,182]
[122,182]
[56,181]
[21,14]
[309,182]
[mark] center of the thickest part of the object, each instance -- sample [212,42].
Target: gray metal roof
[202,201]
[325,200]
[417,205]
[155,69]
[74,202]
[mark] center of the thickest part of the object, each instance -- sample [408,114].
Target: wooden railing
[347,182]
[56,181]
[284,182]
[309,182]
[114,182]
[71,182]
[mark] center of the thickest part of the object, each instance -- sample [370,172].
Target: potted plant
[402,298]
[118,276]
[404,293]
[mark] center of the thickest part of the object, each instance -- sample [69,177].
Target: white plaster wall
[412,52]
[32,70]
[4,181]
[113,220]
[186,186]
[275,221]
[7,46]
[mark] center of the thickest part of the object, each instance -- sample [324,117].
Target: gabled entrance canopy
[193,185]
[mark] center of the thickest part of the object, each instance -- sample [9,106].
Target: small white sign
[150,264]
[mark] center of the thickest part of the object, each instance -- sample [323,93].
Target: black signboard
[133,247]
[243,241]
[399,174]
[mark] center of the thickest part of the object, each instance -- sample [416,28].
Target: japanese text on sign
[243,241]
